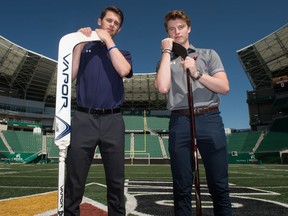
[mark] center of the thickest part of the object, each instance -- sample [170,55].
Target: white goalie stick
[63,103]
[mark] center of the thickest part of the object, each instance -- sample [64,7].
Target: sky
[223,25]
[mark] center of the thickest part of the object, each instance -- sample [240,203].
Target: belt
[98,111]
[197,111]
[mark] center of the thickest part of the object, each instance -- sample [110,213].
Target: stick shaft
[194,146]
[61,182]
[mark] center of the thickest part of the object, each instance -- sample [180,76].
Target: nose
[177,31]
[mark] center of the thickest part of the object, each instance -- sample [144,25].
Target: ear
[119,30]
[189,29]
[99,21]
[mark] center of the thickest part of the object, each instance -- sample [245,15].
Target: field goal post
[138,157]
[284,156]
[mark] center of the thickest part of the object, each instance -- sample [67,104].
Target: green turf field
[269,181]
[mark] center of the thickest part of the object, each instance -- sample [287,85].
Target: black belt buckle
[98,111]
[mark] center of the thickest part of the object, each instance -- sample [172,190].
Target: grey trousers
[88,131]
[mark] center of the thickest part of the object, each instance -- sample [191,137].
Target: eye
[109,20]
[181,27]
[116,23]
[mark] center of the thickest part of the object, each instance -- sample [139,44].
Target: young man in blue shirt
[99,68]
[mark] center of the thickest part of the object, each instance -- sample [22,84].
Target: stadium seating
[251,140]
[133,122]
[243,142]
[157,123]
[273,142]
[3,147]
[280,125]
[236,141]
[148,138]
[52,149]
[22,141]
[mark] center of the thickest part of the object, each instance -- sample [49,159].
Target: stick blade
[179,50]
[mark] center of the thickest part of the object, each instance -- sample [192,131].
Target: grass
[266,177]
[21,180]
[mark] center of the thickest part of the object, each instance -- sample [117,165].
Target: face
[179,31]
[110,23]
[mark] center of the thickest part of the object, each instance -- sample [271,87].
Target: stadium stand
[251,141]
[273,142]
[21,141]
[241,146]
[266,65]
[280,125]
[27,100]
[158,123]
[52,149]
[3,147]
[134,122]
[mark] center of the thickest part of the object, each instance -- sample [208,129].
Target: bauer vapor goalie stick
[63,103]
[181,51]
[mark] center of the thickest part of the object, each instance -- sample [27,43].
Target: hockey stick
[181,51]
[63,103]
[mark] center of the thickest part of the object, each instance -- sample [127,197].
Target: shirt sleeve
[127,55]
[214,63]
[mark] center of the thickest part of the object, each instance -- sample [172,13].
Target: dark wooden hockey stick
[181,51]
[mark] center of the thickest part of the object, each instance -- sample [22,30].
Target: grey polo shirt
[209,62]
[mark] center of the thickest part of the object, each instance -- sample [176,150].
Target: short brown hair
[115,10]
[176,14]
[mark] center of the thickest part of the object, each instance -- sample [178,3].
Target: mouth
[178,38]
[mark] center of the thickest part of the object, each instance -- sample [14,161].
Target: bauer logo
[65,84]
[61,200]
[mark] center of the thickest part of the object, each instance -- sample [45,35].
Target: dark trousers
[88,131]
[211,141]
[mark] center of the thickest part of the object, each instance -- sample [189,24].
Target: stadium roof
[23,73]
[28,75]
[266,59]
